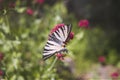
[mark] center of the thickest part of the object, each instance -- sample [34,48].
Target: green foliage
[23,36]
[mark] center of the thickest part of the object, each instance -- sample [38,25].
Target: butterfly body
[57,41]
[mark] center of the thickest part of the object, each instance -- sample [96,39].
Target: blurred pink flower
[40,1]
[83,23]
[1,56]
[29,11]
[60,56]
[1,73]
[101,59]
[115,75]
[71,36]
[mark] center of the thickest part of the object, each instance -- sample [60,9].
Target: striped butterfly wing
[62,33]
[53,46]
[55,41]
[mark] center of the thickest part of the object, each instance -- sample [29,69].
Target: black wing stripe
[64,28]
[68,31]
[47,56]
[59,30]
[63,31]
[57,36]
[48,49]
[49,43]
[54,38]
[57,33]
[67,27]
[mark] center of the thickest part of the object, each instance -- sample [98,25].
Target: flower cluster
[29,11]
[101,59]
[1,72]
[60,56]
[71,36]
[115,75]
[83,23]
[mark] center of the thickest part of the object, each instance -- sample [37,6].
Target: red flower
[1,56]
[60,56]
[101,59]
[71,36]
[29,11]
[83,23]
[1,73]
[115,75]
[56,27]
[40,1]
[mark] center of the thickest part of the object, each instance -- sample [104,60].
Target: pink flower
[1,73]
[29,11]
[40,1]
[56,27]
[115,75]
[83,23]
[60,56]
[101,59]
[1,56]
[71,36]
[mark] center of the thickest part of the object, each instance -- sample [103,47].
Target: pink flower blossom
[60,56]
[101,59]
[29,11]
[115,75]
[71,36]
[83,23]
[40,1]
[1,73]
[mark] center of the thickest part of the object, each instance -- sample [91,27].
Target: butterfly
[57,41]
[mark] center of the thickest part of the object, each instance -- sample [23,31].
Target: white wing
[62,33]
[56,41]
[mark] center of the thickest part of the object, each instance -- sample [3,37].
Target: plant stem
[52,65]
[7,21]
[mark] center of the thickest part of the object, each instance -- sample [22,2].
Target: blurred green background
[24,29]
